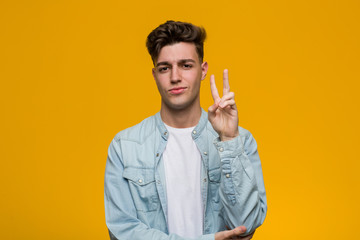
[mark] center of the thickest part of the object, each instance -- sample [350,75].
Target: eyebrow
[181,61]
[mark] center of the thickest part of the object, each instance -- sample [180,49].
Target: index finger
[214,91]
[226,85]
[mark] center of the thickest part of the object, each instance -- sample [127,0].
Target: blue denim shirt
[232,184]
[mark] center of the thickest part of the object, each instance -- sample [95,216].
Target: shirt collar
[195,133]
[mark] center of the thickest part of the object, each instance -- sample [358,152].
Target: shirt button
[227,175]
[157,154]
[158,182]
[194,132]
[165,133]
[205,153]
[204,179]
[221,149]
[140,180]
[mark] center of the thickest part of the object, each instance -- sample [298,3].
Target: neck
[181,118]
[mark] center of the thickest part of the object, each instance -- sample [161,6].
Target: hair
[173,32]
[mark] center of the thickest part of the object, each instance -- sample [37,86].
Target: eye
[187,66]
[163,69]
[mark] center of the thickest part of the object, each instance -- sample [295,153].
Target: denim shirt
[232,184]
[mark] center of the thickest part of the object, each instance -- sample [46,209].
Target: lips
[177,90]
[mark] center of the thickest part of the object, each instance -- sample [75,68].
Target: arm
[242,189]
[120,212]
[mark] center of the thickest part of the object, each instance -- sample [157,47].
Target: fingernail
[243,229]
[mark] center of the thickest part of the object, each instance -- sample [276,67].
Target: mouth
[177,90]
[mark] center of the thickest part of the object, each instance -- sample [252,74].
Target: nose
[175,75]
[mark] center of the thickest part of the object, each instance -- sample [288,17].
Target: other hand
[233,234]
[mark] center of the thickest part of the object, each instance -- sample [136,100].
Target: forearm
[135,230]
[241,190]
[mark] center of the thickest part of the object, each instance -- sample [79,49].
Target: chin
[180,102]
[179,105]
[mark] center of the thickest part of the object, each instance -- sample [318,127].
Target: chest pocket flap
[140,176]
[143,188]
[215,175]
[214,184]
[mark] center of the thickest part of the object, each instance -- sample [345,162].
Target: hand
[223,114]
[233,234]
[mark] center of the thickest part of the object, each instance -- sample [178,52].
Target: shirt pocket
[143,188]
[214,184]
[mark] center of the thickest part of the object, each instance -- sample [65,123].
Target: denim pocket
[143,188]
[214,184]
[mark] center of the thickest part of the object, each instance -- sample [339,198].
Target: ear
[153,72]
[204,69]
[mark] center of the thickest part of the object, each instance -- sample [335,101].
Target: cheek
[160,82]
[193,76]
[195,79]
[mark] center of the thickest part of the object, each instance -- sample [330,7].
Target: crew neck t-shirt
[182,163]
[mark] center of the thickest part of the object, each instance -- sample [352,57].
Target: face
[178,74]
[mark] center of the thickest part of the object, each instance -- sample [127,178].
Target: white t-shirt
[182,162]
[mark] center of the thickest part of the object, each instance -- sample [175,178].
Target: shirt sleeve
[120,212]
[242,190]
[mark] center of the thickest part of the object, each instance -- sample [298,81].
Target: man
[183,173]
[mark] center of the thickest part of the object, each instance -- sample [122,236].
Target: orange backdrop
[74,73]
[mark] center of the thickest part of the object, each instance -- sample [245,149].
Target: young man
[183,173]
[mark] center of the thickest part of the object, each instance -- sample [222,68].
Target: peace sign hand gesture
[223,114]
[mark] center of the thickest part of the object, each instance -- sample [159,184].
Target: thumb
[230,233]
[212,108]
[239,230]
[211,112]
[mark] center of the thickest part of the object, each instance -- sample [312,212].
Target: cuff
[229,149]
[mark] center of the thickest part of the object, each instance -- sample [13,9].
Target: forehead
[177,52]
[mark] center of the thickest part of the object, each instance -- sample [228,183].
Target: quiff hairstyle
[173,32]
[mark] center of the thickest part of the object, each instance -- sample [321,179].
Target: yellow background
[74,73]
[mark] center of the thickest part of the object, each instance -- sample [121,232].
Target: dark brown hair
[173,32]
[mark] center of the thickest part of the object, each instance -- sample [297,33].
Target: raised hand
[223,114]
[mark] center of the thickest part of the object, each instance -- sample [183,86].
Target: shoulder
[139,132]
